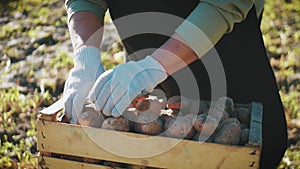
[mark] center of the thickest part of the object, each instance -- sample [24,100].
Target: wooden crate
[57,140]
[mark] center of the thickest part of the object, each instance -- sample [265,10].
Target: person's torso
[145,25]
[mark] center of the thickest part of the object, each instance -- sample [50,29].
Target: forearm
[85,29]
[174,54]
[197,35]
[201,33]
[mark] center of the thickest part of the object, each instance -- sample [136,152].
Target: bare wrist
[174,54]
[85,29]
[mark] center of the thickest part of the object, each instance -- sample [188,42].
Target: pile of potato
[179,117]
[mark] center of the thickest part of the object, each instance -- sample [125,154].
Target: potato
[178,103]
[143,105]
[138,99]
[244,136]
[199,122]
[90,117]
[229,132]
[116,123]
[179,127]
[130,114]
[203,110]
[148,123]
[203,138]
[217,113]
[151,104]
[226,104]
[196,106]
[205,124]
[191,117]
[243,115]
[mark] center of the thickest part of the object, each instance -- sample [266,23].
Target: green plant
[61,61]
[18,127]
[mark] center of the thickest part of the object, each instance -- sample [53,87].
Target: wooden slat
[53,112]
[56,163]
[255,135]
[54,108]
[141,149]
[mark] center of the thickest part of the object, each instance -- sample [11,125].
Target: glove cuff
[150,62]
[158,72]
[87,55]
[88,58]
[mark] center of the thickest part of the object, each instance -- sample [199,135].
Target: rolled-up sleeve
[98,7]
[210,20]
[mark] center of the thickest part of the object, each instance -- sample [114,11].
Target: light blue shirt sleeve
[211,19]
[98,7]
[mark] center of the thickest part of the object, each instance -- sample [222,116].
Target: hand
[114,90]
[87,67]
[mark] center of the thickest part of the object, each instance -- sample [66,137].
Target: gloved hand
[114,90]
[87,67]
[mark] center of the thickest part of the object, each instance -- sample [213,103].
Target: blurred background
[35,58]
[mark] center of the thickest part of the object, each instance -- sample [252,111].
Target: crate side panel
[142,149]
[53,163]
[255,135]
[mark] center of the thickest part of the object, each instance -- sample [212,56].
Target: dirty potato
[203,138]
[229,132]
[191,117]
[179,127]
[148,123]
[244,136]
[227,105]
[178,103]
[218,113]
[243,115]
[138,99]
[151,104]
[116,123]
[205,124]
[196,106]
[90,117]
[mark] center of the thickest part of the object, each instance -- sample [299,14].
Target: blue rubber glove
[115,89]
[87,68]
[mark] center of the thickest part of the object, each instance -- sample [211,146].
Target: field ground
[35,58]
